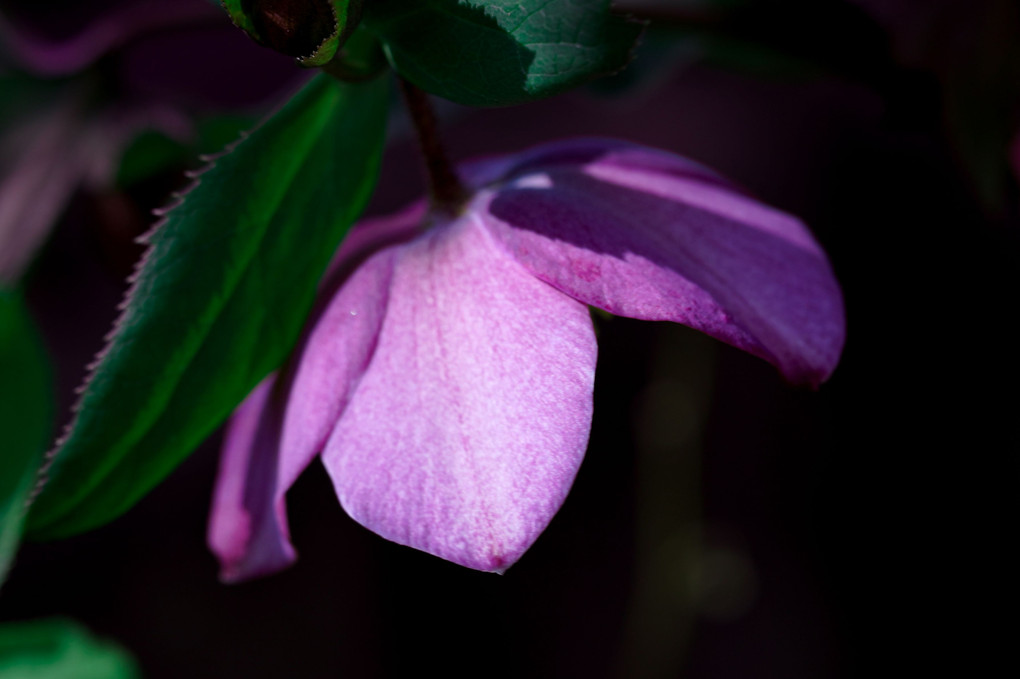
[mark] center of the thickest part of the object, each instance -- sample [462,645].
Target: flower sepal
[311,31]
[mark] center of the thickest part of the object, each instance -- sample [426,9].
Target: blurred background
[724,524]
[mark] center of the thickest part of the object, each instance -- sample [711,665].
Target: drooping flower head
[446,377]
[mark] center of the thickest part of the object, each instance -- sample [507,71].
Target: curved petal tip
[645,234]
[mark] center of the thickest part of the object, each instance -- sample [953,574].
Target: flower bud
[312,31]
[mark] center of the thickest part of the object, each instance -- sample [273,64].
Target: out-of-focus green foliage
[25,418]
[60,649]
[152,152]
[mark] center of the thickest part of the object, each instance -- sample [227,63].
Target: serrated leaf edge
[177,198]
[124,307]
[312,60]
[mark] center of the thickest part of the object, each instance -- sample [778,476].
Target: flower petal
[644,234]
[469,425]
[268,444]
[247,530]
[333,358]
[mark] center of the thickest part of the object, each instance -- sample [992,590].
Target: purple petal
[468,427]
[247,529]
[644,234]
[268,445]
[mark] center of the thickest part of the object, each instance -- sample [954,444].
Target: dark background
[723,524]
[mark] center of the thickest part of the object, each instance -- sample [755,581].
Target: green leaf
[501,52]
[59,649]
[219,300]
[25,417]
[148,154]
[152,152]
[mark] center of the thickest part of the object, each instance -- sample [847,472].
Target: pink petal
[469,425]
[644,234]
[268,445]
[332,359]
[247,530]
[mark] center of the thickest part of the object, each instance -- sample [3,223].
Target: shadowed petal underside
[648,235]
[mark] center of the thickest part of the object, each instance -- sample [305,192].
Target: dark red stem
[448,194]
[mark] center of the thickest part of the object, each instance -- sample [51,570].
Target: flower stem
[445,188]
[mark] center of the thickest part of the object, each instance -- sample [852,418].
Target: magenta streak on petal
[660,246]
[248,529]
[469,425]
[108,32]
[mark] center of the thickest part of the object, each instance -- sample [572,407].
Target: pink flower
[446,378]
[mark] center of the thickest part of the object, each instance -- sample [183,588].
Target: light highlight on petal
[469,425]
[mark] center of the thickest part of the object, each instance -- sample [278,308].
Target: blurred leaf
[148,154]
[754,58]
[18,92]
[982,103]
[666,48]
[219,300]
[152,152]
[501,52]
[59,649]
[767,39]
[25,418]
[215,132]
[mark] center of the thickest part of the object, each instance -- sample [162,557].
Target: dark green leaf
[219,300]
[149,153]
[25,417]
[501,52]
[152,152]
[59,649]
[20,94]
